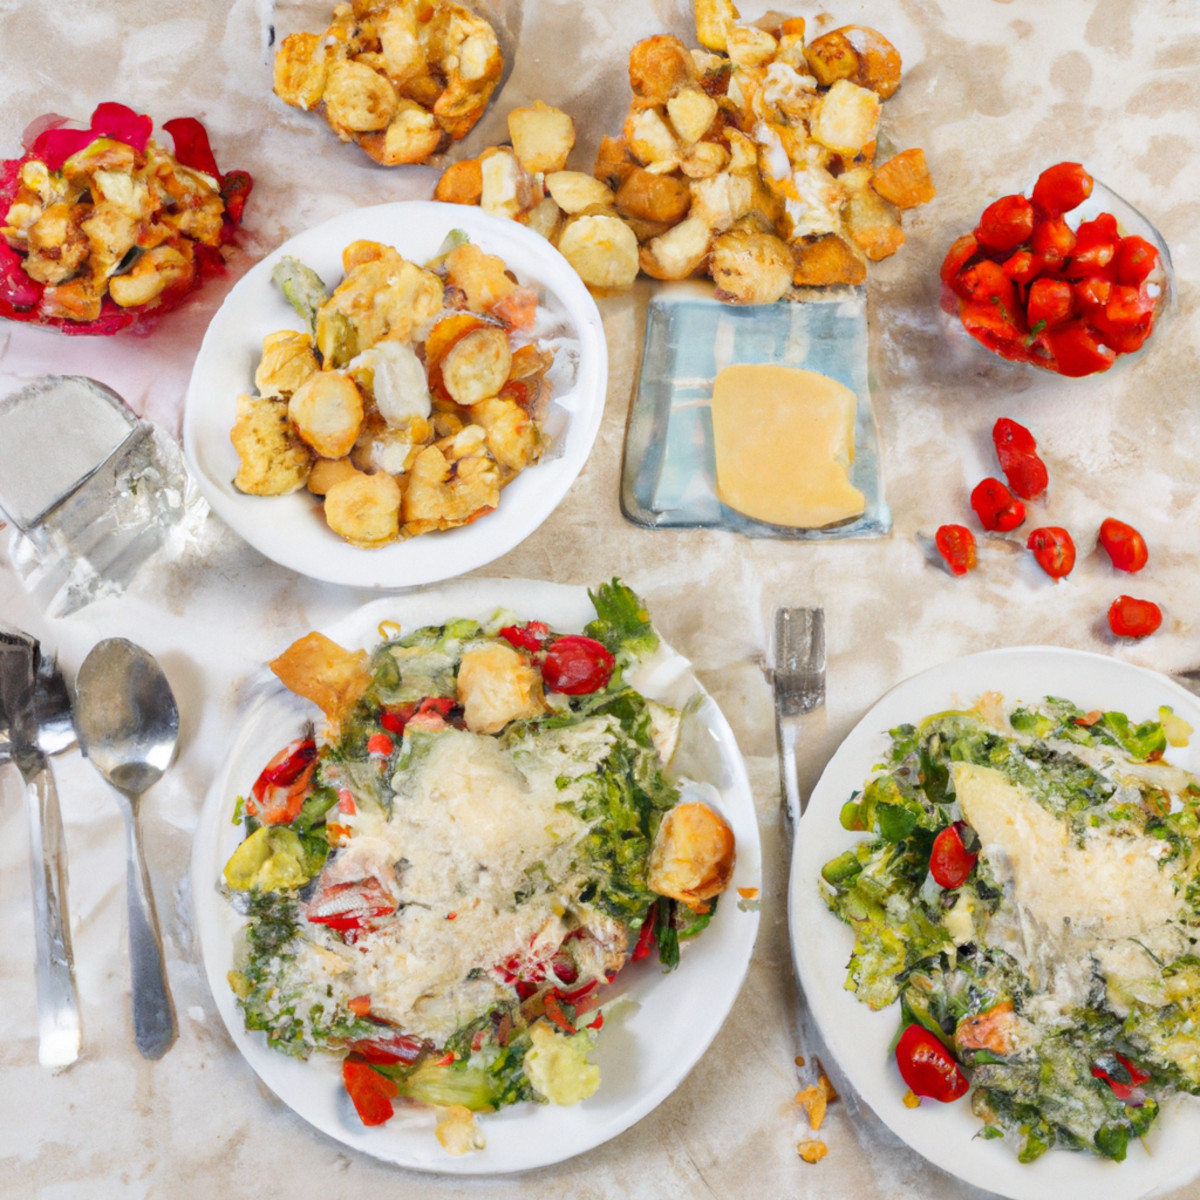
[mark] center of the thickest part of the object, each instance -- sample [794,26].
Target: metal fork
[799,681]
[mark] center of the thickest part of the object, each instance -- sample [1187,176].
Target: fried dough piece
[692,857]
[364,509]
[273,460]
[320,670]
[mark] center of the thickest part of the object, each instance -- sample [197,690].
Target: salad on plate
[441,882]
[1029,894]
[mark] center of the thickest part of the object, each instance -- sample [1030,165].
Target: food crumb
[827,1087]
[748,893]
[813,1101]
[800,1060]
[911,1099]
[812,1151]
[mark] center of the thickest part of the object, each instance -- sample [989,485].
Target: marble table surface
[993,90]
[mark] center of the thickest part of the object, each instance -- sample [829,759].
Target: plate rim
[852,1031]
[411,562]
[741,923]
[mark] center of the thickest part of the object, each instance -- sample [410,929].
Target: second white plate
[860,1039]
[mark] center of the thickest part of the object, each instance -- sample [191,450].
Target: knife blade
[35,721]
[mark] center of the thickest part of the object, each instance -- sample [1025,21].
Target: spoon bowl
[128,726]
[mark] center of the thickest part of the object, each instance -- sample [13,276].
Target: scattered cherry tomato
[577,665]
[1132,618]
[1123,544]
[956,544]
[1019,460]
[996,507]
[279,792]
[928,1067]
[1060,188]
[950,862]
[1032,289]
[1054,550]
[371,1092]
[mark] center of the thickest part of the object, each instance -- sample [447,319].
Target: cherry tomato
[1123,544]
[988,323]
[1050,303]
[1061,188]
[1054,550]
[950,862]
[987,282]
[1092,292]
[1053,242]
[1019,460]
[928,1067]
[996,507]
[1134,260]
[1132,618]
[956,544]
[1127,305]
[1005,223]
[1095,245]
[1077,351]
[964,249]
[1022,267]
[577,665]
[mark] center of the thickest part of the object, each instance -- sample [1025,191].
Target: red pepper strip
[348,905]
[554,1010]
[299,754]
[529,636]
[1121,1089]
[371,1092]
[389,1047]
[645,941]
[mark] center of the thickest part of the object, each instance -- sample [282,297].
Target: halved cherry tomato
[1092,292]
[1095,245]
[1019,460]
[371,1092]
[1054,550]
[1119,1073]
[577,665]
[956,544]
[1077,351]
[1134,260]
[1127,305]
[1133,618]
[1053,242]
[1022,267]
[1005,224]
[1050,302]
[996,507]
[1123,544]
[988,322]
[950,862]
[1060,188]
[927,1067]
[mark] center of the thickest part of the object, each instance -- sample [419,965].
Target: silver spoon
[128,724]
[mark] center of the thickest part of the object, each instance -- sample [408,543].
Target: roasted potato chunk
[364,509]
[659,67]
[750,266]
[649,197]
[845,118]
[873,223]
[327,412]
[462,183]
[477,365]
[691,112]
[692,857]
[573,191]
[328,471]
[274,461]
[603,250]
[679,252]
[856,53]
[904,180]
[542,137]
[713,20]
[357,99]
[287,361]
[412,136]
[826,260]
[301,68]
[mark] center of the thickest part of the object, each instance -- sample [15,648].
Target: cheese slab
[784,443]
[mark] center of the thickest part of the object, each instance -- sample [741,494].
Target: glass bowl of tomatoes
[1069,278]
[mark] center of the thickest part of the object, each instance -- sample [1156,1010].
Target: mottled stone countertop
[993,90]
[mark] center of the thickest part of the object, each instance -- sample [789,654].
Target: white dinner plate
[859,1038]
[291,530]
[652,1036]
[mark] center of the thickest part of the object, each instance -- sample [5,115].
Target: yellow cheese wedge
[784,441]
